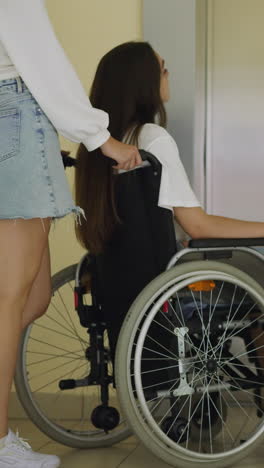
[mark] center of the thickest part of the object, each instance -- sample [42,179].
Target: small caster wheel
[105,417]
[176,430]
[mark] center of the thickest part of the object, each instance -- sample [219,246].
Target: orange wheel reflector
[202,286]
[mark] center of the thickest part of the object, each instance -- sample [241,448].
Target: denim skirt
[32,177]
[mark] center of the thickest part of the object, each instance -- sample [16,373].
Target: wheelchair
[178,363]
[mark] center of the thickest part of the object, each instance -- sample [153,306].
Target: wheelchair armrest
[219,243]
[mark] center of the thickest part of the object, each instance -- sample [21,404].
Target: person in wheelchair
[130,247]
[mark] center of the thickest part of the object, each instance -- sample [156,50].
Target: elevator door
[235,109]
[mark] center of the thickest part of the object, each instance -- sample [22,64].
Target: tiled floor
[127,454]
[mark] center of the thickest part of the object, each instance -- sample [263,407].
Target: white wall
[214,51]
[176,30]
[235,150]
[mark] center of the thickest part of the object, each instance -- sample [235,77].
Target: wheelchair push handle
[67,160]
[149,158]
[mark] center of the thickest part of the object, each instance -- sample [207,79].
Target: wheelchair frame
[99,374]
[166,443]
[142,420]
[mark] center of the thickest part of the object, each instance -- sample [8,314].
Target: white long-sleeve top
[30,49]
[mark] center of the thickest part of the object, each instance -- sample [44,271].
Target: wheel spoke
[202,358]
[54,356]
[50,354]
[59,378]
[52,319]
[51,345]
[72,337]
[70,317]
[50,370]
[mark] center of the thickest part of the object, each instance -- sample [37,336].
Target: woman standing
[40,95]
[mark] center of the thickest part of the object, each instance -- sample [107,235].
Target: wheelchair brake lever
[151,159]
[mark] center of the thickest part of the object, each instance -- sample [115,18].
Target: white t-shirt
[175,189]
[29,48]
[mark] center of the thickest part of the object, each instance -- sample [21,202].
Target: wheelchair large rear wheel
[52,349]
[187,368]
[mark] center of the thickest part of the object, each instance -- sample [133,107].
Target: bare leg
[40,293]
[22,244]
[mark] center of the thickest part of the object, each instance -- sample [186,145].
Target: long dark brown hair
[127,87]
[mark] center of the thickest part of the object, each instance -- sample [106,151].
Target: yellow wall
[87,29]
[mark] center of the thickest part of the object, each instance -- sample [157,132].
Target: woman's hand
[126,156]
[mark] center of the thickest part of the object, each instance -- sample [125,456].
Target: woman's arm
[30,41]
[176,192]
[199,225]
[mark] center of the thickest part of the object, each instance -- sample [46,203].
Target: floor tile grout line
[127,456]
[45,445]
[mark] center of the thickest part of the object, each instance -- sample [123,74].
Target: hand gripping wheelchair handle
[68,161]
[146,156]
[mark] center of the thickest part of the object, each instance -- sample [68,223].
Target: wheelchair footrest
[69,384]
